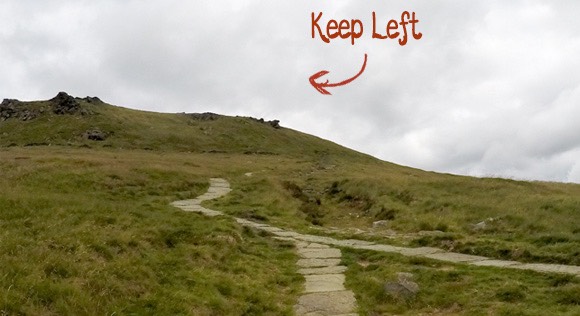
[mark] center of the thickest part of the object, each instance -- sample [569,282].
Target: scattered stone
[405,277]
[28,115]
[479,226]
[96,134]
[381,223]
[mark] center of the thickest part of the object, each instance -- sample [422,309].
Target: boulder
[404,288]
[96,135]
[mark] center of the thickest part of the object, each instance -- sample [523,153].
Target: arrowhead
[319,86]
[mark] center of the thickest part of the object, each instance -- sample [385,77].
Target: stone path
[325,293]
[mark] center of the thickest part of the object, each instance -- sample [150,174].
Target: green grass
[530,221]
[458,289]
[86,226]
[132,129]
[86,235]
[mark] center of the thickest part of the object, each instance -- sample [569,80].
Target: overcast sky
[491,89]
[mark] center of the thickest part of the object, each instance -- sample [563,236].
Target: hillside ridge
[65,120]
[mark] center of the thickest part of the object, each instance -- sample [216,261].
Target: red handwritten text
[353,29]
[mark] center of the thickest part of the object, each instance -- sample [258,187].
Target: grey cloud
[490,89]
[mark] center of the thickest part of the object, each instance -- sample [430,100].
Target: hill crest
[65,120]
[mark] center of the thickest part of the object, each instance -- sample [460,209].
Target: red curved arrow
[320,86]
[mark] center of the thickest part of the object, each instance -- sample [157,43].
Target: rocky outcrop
[8,108]
[274,123]
[61,104]
[93,100]
[12,108]
[207,116]
[65,104]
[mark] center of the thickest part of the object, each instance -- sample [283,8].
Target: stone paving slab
[323,270]
[325,290]
[544,267]
[454,257]
[495,263]
[384,248]
[326,304]
[285,234]
[319,253]
[284,238]
[317,239]
[271,229]
[353,243]
[313,263]
[421,251]
[220,187]
[324,283]
[315,245]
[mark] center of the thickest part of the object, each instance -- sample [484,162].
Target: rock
[381,223]
[479,226]
[399,291]
[65,104]
[207,116]
[12,108]
[274,123]
[8,108]
[405,276]
[96,134]
[93,100]
[405,289]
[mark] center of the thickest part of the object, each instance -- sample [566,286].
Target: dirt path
[324,288]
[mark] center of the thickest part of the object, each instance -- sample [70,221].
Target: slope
[68,121]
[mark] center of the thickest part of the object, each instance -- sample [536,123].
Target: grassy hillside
[86,226]
[68,121]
